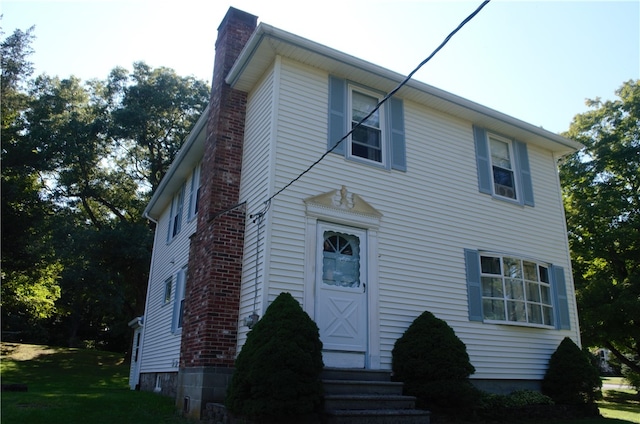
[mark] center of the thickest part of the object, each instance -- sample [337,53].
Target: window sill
[519,324]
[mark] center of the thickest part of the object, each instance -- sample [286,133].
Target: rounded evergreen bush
[571,379]
[434,365]
[277,372]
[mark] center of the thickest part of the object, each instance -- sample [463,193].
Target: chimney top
[238,15]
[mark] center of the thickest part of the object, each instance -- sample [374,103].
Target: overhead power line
[387,97]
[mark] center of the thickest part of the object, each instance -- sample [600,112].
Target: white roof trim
[189,155]
[268,41]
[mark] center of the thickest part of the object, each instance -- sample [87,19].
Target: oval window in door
[341,260]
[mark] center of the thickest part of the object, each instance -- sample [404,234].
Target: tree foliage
[79,162]
[601,190]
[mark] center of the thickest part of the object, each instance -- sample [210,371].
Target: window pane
[547,315]
[366,143]
[167,291]
[500,153]
[535,313]
[503,178]
[492,287]
[516,311]
[512,268]
[514,289]
[341,260]
[545,295]
[490,265]
[180,313]
[366,136]
[493,309]
[362,105]
[533,292]
[544,274]
[530,271]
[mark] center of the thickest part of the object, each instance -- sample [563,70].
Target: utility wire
[387,97]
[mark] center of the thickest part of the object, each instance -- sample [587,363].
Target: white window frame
[384,150]
[525,300]
[168,286]
[194,194]
[501,191]
[178,304]
[175,217]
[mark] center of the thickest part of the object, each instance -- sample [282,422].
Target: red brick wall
[212,296]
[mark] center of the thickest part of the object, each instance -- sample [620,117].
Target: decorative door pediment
[343,206]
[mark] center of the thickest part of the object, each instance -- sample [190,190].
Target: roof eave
[187,157]
[267,42]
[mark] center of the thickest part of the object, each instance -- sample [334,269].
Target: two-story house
[433,203]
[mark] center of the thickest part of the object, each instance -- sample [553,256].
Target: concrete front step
[368,401]
[360,396]
[355,374]
[377,416]
[336,387]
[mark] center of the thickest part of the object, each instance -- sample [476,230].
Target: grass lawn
[69,386]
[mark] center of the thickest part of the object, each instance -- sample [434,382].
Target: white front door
[341,295]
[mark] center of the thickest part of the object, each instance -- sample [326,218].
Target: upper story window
[503,167]
[506,288]
[504,179]
[175,217]
[194,194]
[367,138]
[380,140]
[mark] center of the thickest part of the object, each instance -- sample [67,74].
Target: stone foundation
[164,383]
[199,386]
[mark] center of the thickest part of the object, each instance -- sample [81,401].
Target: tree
[30,271]
[156,112]
[601,191]
[80,160]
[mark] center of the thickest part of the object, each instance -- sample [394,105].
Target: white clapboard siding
[254,188]
[161,347]
[430,214]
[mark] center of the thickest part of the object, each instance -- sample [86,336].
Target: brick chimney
[212,295]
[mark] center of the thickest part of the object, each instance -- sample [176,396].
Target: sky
[537,61]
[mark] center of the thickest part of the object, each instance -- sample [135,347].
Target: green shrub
[632,377]
[277,374]
[434,365]
[517,399]
[570,378]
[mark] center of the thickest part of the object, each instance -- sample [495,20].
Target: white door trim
[362,216]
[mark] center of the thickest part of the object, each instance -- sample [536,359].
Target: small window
[503,167]
[175,223]
[516,290]
[178,307]
[380,139]
[194,195]
[341,260]
[367,138]
[167,290]
[504,180]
